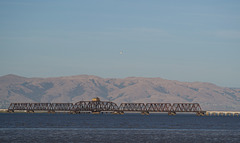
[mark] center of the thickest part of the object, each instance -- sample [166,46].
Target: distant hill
[71,89]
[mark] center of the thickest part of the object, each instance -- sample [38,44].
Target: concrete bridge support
[172,113]
[200,113]
[223,113]
[30,111]
[51,111]
[144,113]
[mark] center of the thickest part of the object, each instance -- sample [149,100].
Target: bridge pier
[172,113]
[10,111]
[51,112]
[96,112]
[79,112]
[118,112]
[74,112]
[237,114]
[30,111]
[144,113]
[200,113]
[222,113]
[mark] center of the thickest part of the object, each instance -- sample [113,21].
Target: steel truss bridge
[96,106]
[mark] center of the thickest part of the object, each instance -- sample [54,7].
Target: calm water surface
[21,127]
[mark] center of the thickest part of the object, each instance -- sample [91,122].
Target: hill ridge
[15,88]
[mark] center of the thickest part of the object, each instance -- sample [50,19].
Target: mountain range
[71,89]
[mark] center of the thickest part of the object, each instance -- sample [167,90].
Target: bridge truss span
[158,107]
[31,107]
[132,107]
[97,106]
[186,107]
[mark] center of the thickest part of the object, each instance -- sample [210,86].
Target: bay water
[43,127]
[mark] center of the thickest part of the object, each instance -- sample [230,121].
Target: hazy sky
[183,40]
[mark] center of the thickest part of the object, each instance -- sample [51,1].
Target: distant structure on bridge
[96,106]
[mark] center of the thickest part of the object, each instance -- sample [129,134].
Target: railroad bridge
[96,106]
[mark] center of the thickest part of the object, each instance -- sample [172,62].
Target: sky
[187,40]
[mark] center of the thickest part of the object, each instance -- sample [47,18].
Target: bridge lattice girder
[132,107]
[98,106]
[158,107]
[41,106]
[186,107]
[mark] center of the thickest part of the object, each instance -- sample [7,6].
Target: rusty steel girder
[186,107]
[132,107]
[41,106]
[105,106]
[95,106]
[158,107]
[62,106]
